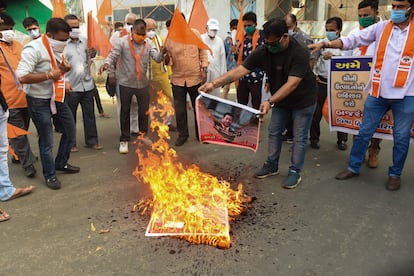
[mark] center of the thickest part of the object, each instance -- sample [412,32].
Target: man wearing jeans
[391,86]
[42,68]
[293,87]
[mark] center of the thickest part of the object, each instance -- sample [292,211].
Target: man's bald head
[151,24]
[130,18]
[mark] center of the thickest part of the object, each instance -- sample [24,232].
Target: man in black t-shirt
[293,88]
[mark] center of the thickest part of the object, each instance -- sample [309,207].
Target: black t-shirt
[293,61]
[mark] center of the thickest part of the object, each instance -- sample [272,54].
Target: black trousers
[244,89]
[315,130]
[180,105]
[143,99]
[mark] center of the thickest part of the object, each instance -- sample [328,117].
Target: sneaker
[265,171]
[342,145]
[53,183]
[292,180]
[123,147]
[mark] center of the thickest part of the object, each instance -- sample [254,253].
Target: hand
[103,68]
[91,52]
[207,87]
[327,55]
[203,76]
[55,74]
[264,108]
[68,87]
[164,50]
[315,47]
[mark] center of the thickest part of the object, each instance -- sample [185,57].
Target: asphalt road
[323,227]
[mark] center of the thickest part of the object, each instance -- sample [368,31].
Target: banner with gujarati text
[224,122]
[346,97]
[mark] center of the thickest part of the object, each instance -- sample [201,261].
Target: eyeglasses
[273,43]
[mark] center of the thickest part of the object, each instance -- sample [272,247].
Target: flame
[186,202]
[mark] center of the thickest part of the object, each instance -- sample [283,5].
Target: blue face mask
[398,16]
[331,35]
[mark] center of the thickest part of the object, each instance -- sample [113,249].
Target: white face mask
[128,28]
[74,34]
[291,32]
[57,46]
[233,36]
[212,33]
[151,34]
[7,35]
[34,33]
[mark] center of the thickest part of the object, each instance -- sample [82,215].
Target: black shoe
[342,145]
[172,128]
[53,183]
[68,168]
[315,145]
[15,161]
[180,141]
[30,171]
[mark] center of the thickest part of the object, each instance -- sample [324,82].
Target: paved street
[323,227]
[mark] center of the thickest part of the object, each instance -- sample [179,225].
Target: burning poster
[186,202]
[346,97]
[224,122]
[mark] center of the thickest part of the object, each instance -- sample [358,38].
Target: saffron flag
[179,31]
[198,17]
[14,132]
[59,9]
[104,10]
[240,27]
[96,37]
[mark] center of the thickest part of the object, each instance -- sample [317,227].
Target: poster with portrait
[346,96]
[224,122]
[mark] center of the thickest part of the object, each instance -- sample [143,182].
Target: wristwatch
[271,103]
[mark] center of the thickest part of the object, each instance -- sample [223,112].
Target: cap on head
[213,24]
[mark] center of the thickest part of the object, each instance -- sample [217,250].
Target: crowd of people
[45,79]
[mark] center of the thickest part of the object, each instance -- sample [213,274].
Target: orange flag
[240,27]
[198,17]
[104,10]
[59,9]
[13,132]
[179,31]
[96,37]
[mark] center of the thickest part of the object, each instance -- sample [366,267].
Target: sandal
[4,215]
[21,192]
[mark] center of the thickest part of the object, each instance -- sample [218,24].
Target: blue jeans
[85,99]
[41,115]
[374,110]
[6,187]
[302,119]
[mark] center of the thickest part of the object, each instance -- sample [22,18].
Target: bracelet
[270,103]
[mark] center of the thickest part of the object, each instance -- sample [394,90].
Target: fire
[186,202]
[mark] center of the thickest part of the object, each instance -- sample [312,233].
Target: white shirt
[322,64]
[217,62]
[391,58]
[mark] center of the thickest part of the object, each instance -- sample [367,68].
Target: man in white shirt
[217,61]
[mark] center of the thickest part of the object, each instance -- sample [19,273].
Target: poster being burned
[346,96]
[224,122]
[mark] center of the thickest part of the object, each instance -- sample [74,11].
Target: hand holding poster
[227,123]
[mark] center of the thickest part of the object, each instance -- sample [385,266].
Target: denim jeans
[374,110]
[302,119]
[6,187]
[41,115]
[85,99]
